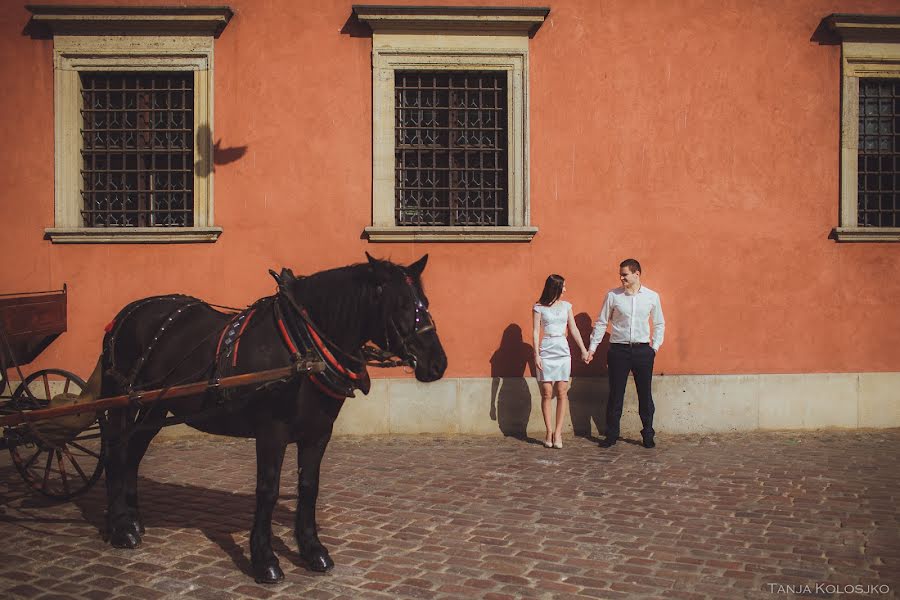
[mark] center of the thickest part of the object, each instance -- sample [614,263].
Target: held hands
[587,357]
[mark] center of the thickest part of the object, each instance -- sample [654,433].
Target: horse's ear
[372,261]
[287,275]
[417,267]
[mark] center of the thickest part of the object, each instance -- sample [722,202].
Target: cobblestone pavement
[758,515]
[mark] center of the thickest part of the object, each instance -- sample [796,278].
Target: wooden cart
[57,468]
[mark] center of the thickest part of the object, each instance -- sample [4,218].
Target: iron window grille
[879,153]
[451,139]
[137,149]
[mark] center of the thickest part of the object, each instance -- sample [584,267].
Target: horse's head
[407,330]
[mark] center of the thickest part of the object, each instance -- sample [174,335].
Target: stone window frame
[436,38]
[870,48]
[131,39]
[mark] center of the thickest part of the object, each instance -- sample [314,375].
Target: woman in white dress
[551,354]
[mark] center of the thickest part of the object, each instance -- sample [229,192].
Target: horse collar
[301,336]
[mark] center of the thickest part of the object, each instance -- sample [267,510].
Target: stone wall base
[684,404]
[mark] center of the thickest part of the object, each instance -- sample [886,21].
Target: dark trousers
[638,360]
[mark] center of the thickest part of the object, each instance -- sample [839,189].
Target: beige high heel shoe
[558,442]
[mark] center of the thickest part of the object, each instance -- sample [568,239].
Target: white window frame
[870,48]
[436,38]
[110,39]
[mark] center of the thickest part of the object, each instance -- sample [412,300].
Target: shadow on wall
[220,156]
[510,397]
[589,391]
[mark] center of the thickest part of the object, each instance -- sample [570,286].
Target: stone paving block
[450,517]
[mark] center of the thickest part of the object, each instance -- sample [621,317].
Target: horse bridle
[388,357]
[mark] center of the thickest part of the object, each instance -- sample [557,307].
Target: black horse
[169,340]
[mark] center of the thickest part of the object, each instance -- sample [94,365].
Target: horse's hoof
[320,562]
[125,539]
[270,574]
[135,524]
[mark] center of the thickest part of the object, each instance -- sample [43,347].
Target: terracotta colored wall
[700,137]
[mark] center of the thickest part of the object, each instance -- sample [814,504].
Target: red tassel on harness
[109,326]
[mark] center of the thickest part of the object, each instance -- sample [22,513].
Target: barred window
[450,122]
[878,182]
[451,148]
[132,122]
[870,127]
[137,149]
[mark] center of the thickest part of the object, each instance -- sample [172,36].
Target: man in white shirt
[629,309]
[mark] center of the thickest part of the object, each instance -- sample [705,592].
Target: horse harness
[339,380]
[342,373]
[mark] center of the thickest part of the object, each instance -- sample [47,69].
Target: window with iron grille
[870,127]
[450,125]
[133,113]
[137,149]
[878,179]
[451,148]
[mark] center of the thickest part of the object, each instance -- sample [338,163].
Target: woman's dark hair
[552,289]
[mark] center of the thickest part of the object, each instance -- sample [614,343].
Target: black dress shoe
[649,443]
[607,442]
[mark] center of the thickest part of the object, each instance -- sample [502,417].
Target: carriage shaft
[144,398]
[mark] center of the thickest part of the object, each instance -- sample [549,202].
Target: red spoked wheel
[68,466]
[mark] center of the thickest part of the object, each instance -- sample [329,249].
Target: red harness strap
[324,389]
[287,338]
[319,345]
[237,340]
[328,356]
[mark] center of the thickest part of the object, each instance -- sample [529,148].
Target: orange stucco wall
[701,137]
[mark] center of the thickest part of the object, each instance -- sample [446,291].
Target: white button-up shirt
[630,316]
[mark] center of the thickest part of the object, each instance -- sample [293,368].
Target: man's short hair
[633,265]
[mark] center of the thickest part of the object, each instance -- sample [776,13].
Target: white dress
[554,351]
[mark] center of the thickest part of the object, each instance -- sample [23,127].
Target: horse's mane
[337,298]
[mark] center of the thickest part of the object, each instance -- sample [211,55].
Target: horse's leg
[137,447]
[309,460]
[269,456]
[319,412]
[120,526]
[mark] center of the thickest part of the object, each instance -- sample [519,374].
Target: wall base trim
[684,404]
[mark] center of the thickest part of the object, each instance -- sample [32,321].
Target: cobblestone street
[745,515]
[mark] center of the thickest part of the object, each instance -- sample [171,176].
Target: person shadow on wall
[589,391]
[510,397]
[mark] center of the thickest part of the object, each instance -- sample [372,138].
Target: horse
[334,315]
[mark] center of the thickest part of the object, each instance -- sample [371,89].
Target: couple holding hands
[634,342]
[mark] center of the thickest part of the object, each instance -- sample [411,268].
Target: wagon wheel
[57,470]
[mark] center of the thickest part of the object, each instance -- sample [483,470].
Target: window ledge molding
[867,234]
[865,28]
[132,235]
[451,234]
[481,19]
[129,20]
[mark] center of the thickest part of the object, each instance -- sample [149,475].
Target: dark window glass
[137,149]
[451,148]
[879,153]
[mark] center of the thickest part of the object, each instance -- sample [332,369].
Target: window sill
[450,234]
[132,235]
[866,234]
